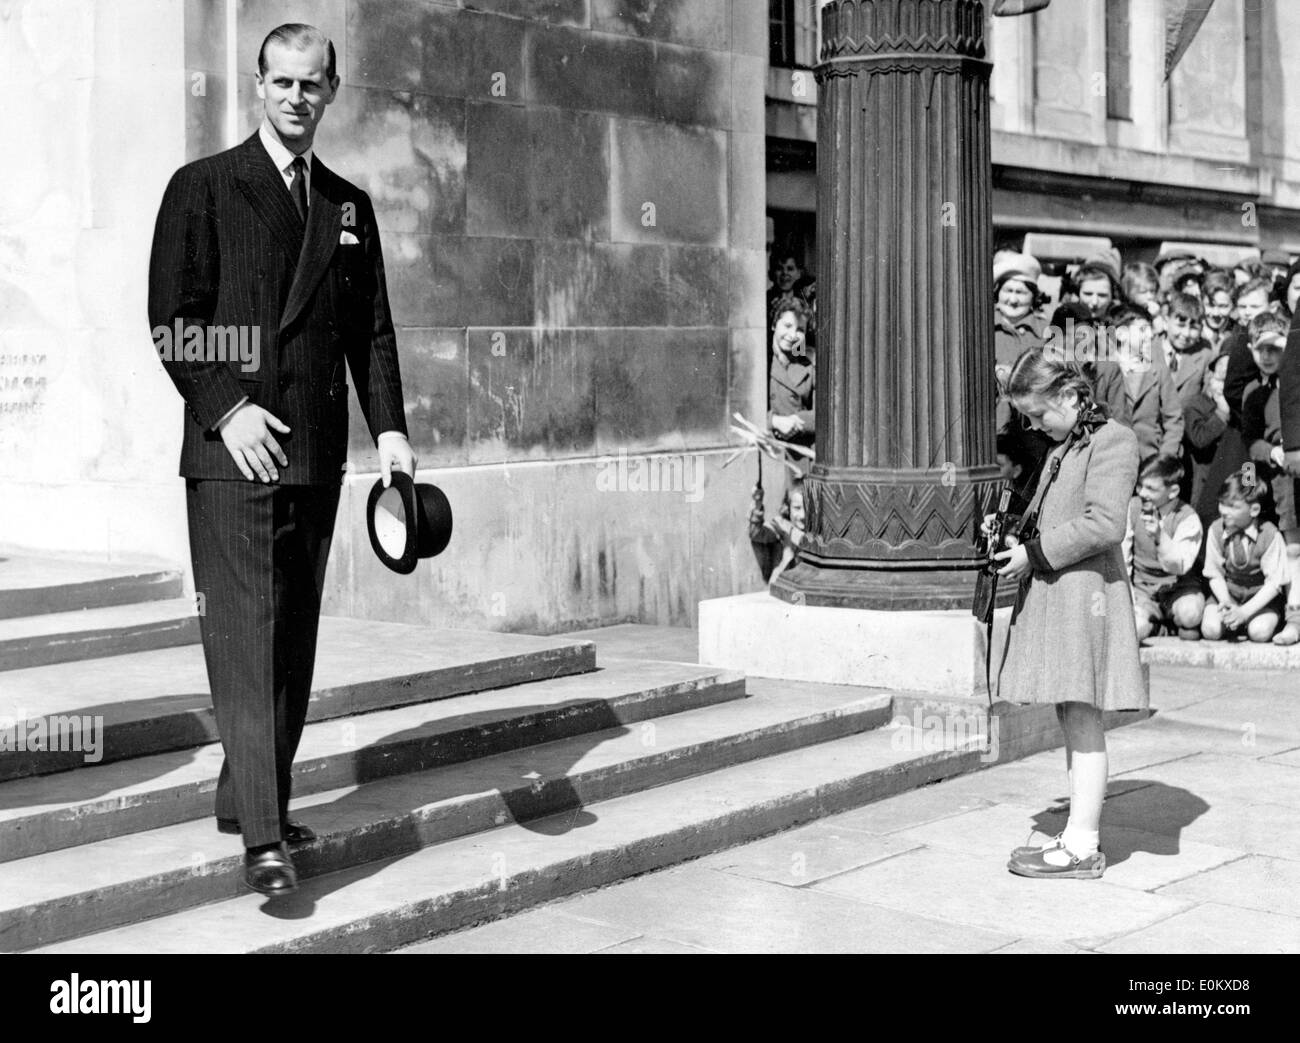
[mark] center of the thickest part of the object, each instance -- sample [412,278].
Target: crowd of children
[1187,358]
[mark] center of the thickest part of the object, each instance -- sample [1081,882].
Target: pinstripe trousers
[259,554]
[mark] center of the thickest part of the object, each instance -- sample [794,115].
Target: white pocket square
[347,239]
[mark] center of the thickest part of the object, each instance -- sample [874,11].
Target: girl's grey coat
[1073,637]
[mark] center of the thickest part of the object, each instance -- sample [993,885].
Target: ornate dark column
[905,396]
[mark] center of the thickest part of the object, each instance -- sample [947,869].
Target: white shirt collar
[281,156]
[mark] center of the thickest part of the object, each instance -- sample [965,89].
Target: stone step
[1220,655]
[32,585]
[150,702]
[419,893]
[94,633]
[50,812]
[64,894]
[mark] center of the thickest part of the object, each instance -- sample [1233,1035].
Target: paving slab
[1217,777]
[1210,927]
[1041,947]
[803,856]
[735,914]
[1270,885]
[649,946]
[980,892]
[1266,829]
[547,930]
[927,804]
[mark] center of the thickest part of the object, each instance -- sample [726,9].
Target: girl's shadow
[1139,815]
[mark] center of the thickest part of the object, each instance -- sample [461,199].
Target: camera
[987,545]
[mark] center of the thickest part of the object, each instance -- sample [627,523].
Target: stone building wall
[571,195]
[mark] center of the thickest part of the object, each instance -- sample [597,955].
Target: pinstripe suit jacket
[229,250]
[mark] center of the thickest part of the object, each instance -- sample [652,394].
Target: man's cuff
[1034,548]
[391,434]
[228,414]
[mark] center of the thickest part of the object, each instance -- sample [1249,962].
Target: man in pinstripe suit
[265,237]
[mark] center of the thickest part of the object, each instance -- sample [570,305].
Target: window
[792,33]
[1118,60]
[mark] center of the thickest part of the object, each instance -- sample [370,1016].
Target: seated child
[1161,545]
[1245,564]
[776,541]
[1261,425]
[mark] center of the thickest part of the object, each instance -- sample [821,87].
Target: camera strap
[1031,514]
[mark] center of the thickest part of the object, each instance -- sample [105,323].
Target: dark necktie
[299,186]
[1173,363]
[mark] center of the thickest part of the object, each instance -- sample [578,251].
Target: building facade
[571,198]
[1088,137]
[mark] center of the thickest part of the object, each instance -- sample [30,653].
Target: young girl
[1072,641]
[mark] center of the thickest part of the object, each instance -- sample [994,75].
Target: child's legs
[1146,613]
[1188,610]
[1263,625]
[1085,741]
[1212,621]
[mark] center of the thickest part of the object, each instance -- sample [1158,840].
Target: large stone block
[205,114]
[408,45]
[537,172]
[747,375]
[408,151]
[935,652]
[530,394]
[256,18]
[748,289]
[747,191]
[668,184]
[660,389]
[205,35]
[687,22]
[600,284]
[699,286]
[748,94]
[569,174]
[557,12]
[498,153]
[459,281]
[435,386]
[749,27]
[629,77]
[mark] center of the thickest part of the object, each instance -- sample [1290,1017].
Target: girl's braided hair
[1034,375]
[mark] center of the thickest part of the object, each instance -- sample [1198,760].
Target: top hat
[407,522]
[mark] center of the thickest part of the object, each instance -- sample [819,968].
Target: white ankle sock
[1081,843]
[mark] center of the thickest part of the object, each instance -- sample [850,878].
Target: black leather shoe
[294,832]
[270,871]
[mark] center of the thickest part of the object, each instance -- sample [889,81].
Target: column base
[892,589]
[923,651]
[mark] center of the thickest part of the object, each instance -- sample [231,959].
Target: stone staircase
[451,776]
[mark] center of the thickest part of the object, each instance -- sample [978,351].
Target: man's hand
[787,425]
[395,453]
[248,438]
[1017,562]
[1278,457]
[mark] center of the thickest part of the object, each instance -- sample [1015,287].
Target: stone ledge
[1222,655]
